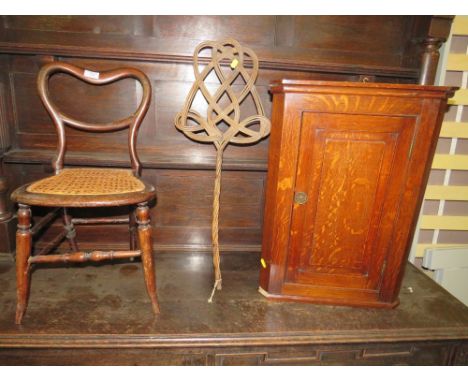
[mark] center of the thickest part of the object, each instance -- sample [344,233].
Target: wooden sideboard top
[106,306]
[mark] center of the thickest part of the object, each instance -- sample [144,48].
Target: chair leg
[71,232]
[132,227]
[23,252]
[146,246]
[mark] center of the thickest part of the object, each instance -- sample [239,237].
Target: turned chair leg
[146,247]
[132,227]
[71,232]
[23,252]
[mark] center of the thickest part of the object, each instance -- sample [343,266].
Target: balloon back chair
[86,188]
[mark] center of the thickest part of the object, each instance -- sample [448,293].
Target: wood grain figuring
[344,249]
[340,229]
[4,131]
[361,158]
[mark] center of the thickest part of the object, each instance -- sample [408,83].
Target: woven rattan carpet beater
[222,123]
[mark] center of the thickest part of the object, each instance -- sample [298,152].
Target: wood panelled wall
[354,48]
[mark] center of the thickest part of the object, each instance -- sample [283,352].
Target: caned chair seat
[81,187]
[88,181]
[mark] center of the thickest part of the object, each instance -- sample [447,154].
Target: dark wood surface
[359,154]
[353,48]
[101,315]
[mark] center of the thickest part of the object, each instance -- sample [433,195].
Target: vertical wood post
[23,251]
[132,227]
[5,212]
[430,60]
[7,220]
[146,247]
[71,232]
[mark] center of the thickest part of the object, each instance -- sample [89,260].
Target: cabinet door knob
[300,198]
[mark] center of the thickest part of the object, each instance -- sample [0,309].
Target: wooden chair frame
[139,217]
[60,119]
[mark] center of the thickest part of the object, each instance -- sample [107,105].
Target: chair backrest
[60,119]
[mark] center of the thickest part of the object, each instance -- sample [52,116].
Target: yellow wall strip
[454,130]
[455,223]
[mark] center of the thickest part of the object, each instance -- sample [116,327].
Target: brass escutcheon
[300,197]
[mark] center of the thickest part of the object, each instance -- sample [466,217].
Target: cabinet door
[349,181]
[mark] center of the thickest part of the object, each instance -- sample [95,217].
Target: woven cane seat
[88,181]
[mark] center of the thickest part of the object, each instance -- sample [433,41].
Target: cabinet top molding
[403,90]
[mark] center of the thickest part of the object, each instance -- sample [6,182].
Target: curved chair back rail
[61,119]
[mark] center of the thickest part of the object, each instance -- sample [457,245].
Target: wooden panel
[4,131]
[313,40]
[74,98]
[186,199]
[349,32]
[84,24]
[345,166]
[400,354]
[248,29]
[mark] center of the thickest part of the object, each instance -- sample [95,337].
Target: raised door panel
[352,167]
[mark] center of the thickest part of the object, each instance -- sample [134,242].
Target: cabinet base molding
[364,303]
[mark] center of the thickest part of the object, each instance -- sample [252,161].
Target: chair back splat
[61,119]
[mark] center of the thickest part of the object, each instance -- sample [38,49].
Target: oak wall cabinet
[348,164]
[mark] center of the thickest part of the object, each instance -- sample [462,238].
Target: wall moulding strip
[276,64]
[147,160]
